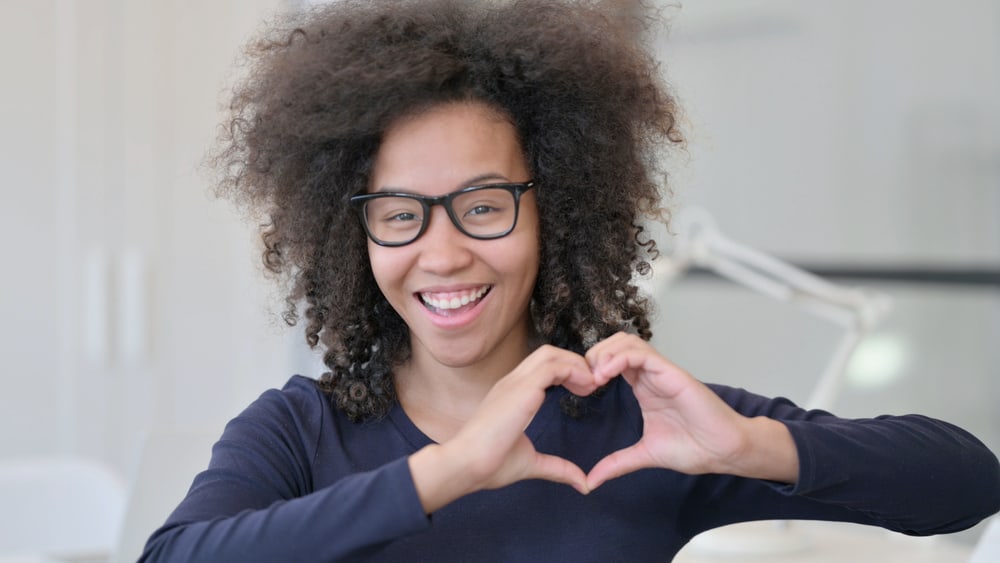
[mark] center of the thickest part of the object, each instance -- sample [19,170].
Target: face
[465,300]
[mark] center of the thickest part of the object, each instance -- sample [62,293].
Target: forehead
[446,147]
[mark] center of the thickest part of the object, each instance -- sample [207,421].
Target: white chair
[59,508]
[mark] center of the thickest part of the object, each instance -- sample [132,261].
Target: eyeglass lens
[484,213]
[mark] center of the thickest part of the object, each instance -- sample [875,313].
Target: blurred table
[817,542]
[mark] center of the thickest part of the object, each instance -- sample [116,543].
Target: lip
[451,319]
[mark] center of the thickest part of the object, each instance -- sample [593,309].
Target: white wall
[132,298]
[30,221]
[860,131]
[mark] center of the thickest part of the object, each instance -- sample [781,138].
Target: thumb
[557,469]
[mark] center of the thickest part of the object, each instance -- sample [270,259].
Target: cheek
[385,268]
[523,261]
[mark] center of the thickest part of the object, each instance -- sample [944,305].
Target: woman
[454,192]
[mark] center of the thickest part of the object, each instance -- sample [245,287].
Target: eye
[402,216]
[481,209]
[483,202]
[394,212]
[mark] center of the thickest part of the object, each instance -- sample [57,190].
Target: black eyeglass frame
[516,189]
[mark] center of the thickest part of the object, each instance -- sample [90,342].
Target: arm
[256,500]
[911,474]
[256,503]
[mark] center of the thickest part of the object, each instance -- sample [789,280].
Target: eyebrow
[475,180]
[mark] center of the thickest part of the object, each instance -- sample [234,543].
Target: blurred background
[858,139]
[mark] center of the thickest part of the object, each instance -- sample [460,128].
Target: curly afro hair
[321,88]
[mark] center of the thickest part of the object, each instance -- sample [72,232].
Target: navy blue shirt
[292,479]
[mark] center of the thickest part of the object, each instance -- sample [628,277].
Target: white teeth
[454,300]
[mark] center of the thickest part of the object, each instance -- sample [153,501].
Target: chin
[455,353]
[455,360]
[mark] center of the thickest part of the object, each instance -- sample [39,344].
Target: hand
[491,450]
[686,427]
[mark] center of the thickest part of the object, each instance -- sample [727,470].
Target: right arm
[256,501]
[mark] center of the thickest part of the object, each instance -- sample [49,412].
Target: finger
[619,463]
[644,360]
[557,469]
[623,361]
[607,345]
[608,358]
[550,366]
[580,380]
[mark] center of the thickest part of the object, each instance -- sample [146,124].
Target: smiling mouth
[451,301]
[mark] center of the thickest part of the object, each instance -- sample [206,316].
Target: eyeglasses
[481,212]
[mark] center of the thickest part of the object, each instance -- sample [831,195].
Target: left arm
[911,474]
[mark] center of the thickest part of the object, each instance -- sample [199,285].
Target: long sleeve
[260,500]
[910,474]
[293,480]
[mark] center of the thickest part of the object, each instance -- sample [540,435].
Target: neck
[440,398]
[454,395]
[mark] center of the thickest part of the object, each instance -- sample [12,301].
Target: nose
[443,248]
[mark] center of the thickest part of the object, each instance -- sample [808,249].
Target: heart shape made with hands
[686,426]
